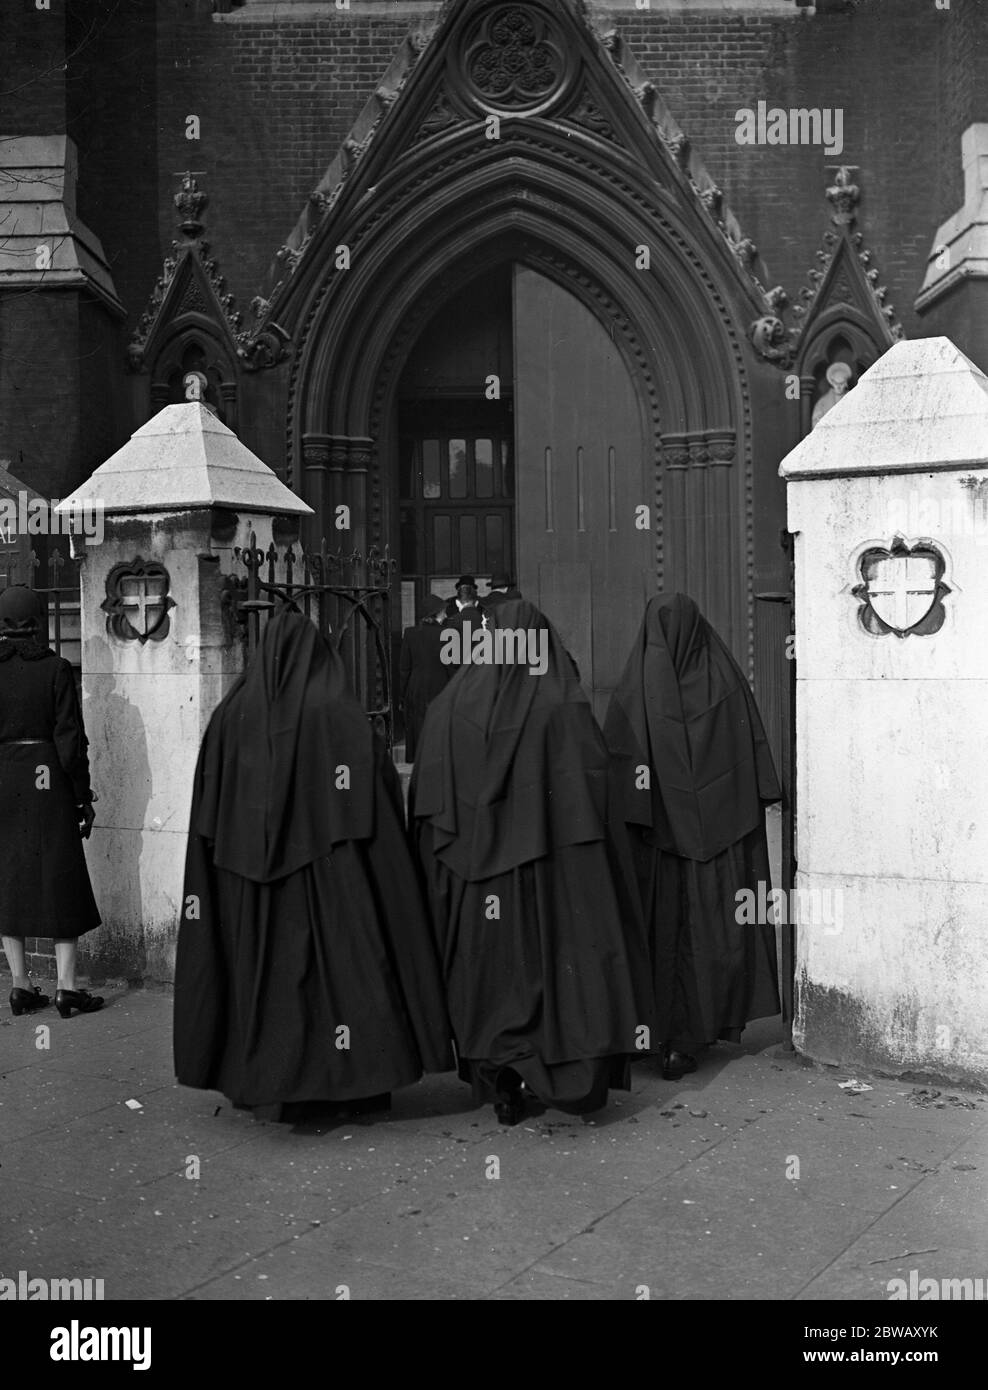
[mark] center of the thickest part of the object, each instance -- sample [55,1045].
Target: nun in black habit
[683,710]
[306,970]
[538,923]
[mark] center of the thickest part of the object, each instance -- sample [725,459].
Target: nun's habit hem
[563,1002]
[711,975]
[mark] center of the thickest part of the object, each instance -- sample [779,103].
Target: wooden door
[457,495]
[583,467]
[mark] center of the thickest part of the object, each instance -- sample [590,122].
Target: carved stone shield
[137,601]
[902,589]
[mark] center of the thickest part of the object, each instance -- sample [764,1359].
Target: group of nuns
[559,901]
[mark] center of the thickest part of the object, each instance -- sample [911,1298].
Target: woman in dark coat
[45,805]
[683,710]
[539,928]
[306,970]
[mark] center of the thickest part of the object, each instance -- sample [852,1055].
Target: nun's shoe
[676,1064]
[25,1001]
[511,1109]
[509,1099]
[79,999]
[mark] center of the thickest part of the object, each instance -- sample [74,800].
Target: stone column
[886,500]
[160,648]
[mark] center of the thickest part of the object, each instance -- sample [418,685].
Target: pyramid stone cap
[185,458]
[922,407]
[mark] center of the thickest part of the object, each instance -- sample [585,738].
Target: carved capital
[676,450]
[699,454]
[722,446]
[361,454]
[339,452]
[315,451]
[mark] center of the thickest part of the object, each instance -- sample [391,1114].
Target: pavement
[756,1178]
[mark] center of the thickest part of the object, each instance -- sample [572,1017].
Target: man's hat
[430,604]
[501,581]
[466,579]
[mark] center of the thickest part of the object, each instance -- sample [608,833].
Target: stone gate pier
[159,651]
[888,500]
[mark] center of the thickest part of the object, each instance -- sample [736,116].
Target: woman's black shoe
[25,1001]
[676,1064]
[80,999]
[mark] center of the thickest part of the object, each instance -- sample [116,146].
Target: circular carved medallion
[513,60]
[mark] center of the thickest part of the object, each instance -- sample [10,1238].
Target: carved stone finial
[680,147]
[647,94]
[190,202]
[844,195]
[266,350]
[712,199]
[770,339]
[745,251]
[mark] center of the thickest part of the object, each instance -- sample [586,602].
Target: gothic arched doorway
[522,446]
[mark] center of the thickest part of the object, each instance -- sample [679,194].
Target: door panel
[456,486]
[583,468]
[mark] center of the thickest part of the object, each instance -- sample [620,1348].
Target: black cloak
[683,710]
[540,932]
[305,968]
[423,674]
[44,781]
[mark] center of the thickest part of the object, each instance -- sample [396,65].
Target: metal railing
[347,596]
[64,623]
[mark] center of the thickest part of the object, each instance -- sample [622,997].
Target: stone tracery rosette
[513,61]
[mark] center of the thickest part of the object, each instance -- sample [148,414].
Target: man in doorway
[464,598]
[502,590]
[421,671]
[463,612]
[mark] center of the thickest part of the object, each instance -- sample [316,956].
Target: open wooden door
[583,467]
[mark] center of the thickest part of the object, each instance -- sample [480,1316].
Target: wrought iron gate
[348,597]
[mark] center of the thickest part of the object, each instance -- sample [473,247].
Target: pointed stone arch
[579,177]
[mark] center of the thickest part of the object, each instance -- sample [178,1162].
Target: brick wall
[275,101]
[884,65]
[276,97]
[277,89]
[40,385]
[32,80]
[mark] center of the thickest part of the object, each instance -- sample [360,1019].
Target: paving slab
[677,1190]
